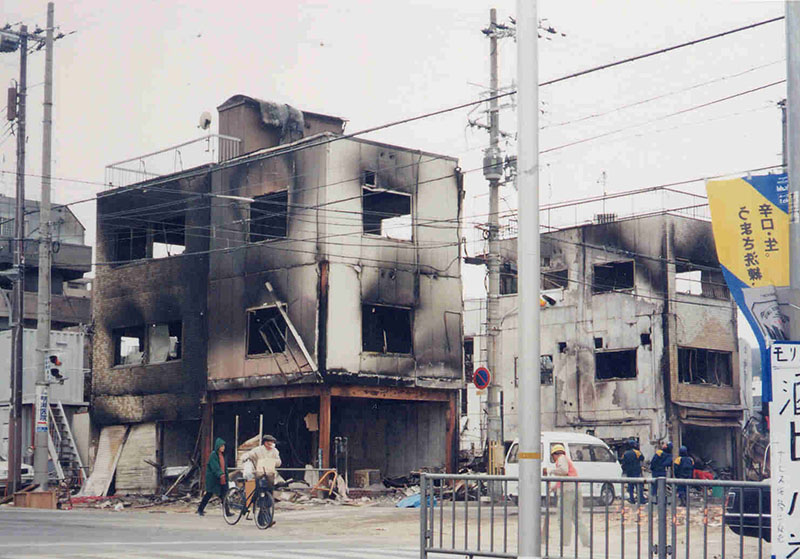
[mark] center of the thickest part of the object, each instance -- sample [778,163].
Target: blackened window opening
[508,283]
[612,276]
[387,214]
[269,216]
[164,342]
[129,345]
[557,279]
[546,369]
[469,359]
[386,329]
[704,366]
[169,237]
[266,332]
[129,244]
[613,365]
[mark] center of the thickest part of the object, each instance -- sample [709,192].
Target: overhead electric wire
[659,97]
[662,50]
[512,92]
[663,117]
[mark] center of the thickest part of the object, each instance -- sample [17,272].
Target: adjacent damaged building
[638,337]
[304,284]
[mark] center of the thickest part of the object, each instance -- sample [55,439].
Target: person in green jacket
[216,475]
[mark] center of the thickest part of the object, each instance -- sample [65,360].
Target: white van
[591,456]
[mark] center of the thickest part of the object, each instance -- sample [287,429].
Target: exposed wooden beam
[391,393]
[325,427]
[451,449]
[266,393]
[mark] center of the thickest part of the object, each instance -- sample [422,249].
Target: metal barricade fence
[476,516]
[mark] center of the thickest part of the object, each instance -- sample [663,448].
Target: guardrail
[476,516]
[211,148]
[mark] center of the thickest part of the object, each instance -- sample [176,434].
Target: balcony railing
[212,148]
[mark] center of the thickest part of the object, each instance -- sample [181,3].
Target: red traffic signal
[52,367]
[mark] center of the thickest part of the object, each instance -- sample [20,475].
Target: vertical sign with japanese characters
[750,220]
[41,409]
[784,438]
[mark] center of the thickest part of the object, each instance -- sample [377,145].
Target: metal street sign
[784,413]
[41,409]
[482,378]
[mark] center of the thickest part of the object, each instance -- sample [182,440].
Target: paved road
[335,533]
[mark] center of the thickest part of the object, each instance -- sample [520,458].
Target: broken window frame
[555,279]
[378,228]
[276,223]
[399,346]
[689,282]
[546,370]
[132,332]
[508,283]
[136,240]
[598,288]
[165,234]
[147,344]
[604,354]
[174,340]
[693,355]
[278,343]
[469,358]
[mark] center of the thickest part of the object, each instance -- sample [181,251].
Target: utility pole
[15,421]
[493,172]
[792,154]
[40,452]
[528,251]
[782,105]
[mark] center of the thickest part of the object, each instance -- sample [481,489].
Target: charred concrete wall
[326,267]
[150,291]
[586,322]
[238,277]
[243,117]
[421,273]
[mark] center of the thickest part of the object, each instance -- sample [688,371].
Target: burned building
[638,336]
[305,284]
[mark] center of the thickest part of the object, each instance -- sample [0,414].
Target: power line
[658,97]
[663,117]
[661,51]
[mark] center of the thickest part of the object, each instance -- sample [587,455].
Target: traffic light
[53,368]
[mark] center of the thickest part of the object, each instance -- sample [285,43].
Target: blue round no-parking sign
[482,378]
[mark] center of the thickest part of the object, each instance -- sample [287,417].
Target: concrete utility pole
[782,105]
[792,155]
[15,421]
[40,453]
[528,258]
[493,172]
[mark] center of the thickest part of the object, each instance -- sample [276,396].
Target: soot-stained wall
[148,292]
[583,323]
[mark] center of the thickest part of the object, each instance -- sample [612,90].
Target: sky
[134,77]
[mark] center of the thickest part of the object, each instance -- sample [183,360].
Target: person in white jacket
[265,459]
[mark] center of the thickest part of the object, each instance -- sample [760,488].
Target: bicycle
[260,502]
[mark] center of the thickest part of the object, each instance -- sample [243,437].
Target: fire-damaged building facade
[306,285]
[638,337]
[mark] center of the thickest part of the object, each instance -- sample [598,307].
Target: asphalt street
[336,533]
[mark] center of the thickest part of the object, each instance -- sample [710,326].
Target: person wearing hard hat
[564,467]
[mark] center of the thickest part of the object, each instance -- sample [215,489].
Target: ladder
[63,450]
